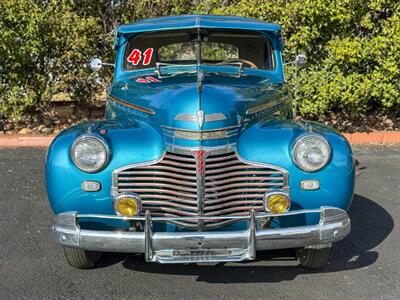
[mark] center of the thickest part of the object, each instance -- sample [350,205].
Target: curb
[14,141]
[378,137]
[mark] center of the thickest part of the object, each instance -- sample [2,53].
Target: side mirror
[301,60]
[96,64]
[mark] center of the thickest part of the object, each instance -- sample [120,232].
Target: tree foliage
[353,48]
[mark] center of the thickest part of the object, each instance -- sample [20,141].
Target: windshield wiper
[239,64]
[159,65]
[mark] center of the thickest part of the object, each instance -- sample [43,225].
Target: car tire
[315,256]
[81,259]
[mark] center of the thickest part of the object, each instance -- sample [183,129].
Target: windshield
[188,47]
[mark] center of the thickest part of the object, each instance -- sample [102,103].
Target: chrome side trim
[130,105]
[195,246]
[267,105]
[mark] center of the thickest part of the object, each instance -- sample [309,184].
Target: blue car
[199,157]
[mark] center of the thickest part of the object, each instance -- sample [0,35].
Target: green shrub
[353,48]
[43,49]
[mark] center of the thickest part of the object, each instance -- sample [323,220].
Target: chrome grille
[171,186]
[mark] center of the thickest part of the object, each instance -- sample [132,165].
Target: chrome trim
[303,137]
[181,247]
[214,117]
[161,173]
[235,179]
[164,191]
[165,199]
[200,187]
[211,150]
[188,184]
[259,215]
[185,117]
[98,138]
[305,125]
[303,184]
[96,183]
[244,173]
[114,175]
[252,236]
[148,237]
[284,171]
[201,135]
[208,130]
[268,105]
[176,169]
[131,105]
[159,184]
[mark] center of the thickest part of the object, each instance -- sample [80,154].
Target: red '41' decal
[136,55]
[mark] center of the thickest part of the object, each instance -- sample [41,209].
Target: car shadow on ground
[371,224]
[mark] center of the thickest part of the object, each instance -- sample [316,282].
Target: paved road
[364,265]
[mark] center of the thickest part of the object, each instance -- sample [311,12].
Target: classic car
[199,158]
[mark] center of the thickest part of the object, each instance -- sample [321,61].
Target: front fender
[271,142]
[129,143]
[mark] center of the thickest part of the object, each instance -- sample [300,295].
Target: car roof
[197,21]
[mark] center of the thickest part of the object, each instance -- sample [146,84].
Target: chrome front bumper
[198,246]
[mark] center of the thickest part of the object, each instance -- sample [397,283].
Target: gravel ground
[364,265]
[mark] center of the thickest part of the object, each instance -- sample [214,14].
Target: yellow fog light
[277,202]
[127,205]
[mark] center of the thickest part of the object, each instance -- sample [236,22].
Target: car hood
[217,101]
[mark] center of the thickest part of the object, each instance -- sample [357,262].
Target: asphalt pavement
[364,265]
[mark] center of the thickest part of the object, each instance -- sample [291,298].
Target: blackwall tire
[81,259]
[315,256]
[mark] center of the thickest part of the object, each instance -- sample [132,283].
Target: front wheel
[315,256]
[81,259]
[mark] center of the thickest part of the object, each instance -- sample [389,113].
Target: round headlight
[89,154]
[311,152]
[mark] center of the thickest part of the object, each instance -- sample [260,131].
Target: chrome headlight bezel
[103,144]
[303,138]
